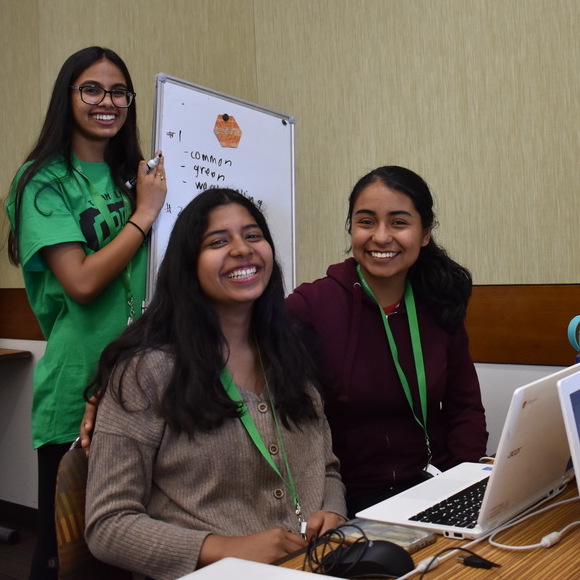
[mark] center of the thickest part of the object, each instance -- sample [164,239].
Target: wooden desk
[560,562]
[8,353]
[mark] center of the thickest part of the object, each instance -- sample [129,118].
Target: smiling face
[387,236]
[235,260]
[94,125]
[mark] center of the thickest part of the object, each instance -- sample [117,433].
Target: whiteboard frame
[288,270]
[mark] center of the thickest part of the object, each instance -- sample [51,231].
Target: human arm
[88,423]
[125,535]
[266,546]
[332,511]
[83,276]
[146,508]
[120,528]
[462,411]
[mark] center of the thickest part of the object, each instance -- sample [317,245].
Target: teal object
[573,335]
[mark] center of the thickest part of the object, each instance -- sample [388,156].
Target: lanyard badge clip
[301,521]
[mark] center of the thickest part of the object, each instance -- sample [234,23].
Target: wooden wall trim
[16,318]
[506,324]
[522,324]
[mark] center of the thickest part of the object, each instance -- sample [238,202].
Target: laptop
[569,392]
[532,462]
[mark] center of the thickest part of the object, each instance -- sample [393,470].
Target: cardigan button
[278,493]
[262,407]
[273,449]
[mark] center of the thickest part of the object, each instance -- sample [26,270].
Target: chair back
[75,560]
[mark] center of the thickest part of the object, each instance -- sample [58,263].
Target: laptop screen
[569,392]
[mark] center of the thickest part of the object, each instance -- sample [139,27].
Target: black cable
[473,560]
[334,541]
[330,541]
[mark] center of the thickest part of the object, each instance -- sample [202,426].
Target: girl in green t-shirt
[79,234]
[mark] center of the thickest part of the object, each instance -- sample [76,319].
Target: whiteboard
[189,121]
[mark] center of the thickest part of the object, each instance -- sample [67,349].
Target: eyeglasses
[94,95]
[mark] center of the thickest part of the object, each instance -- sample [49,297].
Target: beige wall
[478,96]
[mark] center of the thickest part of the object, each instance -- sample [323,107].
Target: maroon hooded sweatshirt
[376,437]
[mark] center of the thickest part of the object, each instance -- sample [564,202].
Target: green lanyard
[104,211]
[417,353]
[247,421]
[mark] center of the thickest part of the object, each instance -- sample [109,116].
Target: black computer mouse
[373,558]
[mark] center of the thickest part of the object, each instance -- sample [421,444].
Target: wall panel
[477,96]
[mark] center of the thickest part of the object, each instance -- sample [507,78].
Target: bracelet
[140,229]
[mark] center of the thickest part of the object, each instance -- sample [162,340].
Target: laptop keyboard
[460,510]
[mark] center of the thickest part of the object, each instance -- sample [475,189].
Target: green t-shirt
[59,207]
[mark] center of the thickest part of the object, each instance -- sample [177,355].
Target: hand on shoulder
[88,423]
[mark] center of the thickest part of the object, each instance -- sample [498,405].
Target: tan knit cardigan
[153,496]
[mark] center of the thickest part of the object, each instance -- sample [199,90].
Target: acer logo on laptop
[529,402]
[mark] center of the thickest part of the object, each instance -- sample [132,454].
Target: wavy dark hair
[123,151]
[443,283]
[182,321]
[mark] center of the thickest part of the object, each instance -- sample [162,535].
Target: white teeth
[383,254]
[243,273]
[104,117]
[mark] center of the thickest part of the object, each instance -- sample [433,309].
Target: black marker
[151,164]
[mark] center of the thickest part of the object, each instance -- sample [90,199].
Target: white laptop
[532,462]
[569,391]
[237,569]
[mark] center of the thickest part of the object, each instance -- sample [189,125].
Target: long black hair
[443,283]
[182,320]
[122,154]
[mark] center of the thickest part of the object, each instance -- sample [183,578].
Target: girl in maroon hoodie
[386,328]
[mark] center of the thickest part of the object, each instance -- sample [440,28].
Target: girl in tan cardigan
[210,439]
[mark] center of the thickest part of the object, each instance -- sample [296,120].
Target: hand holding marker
[151,164]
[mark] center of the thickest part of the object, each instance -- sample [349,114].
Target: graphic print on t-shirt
[94,226]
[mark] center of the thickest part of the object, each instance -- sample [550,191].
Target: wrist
[137,227]
[211,550]
[141,221]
